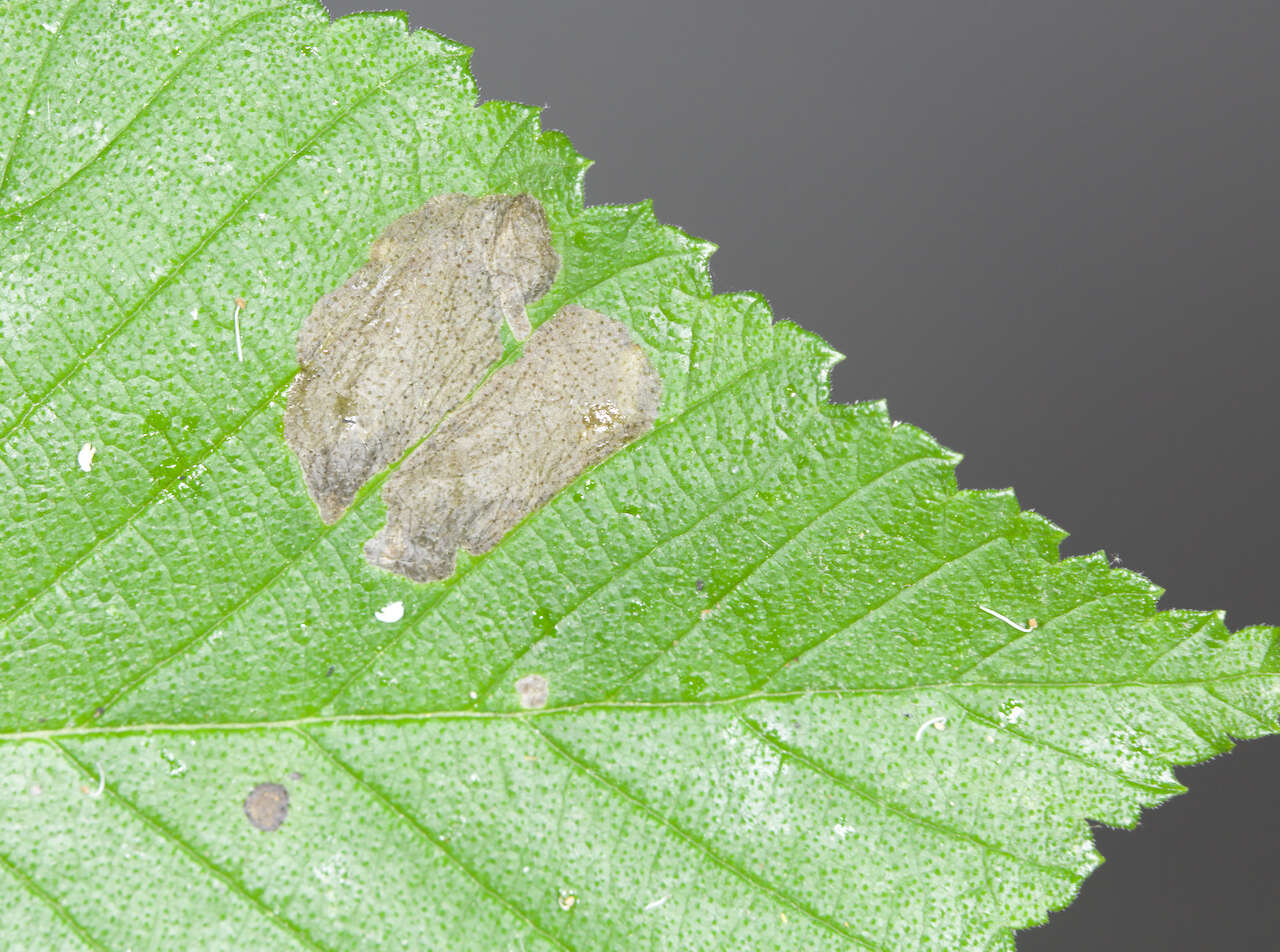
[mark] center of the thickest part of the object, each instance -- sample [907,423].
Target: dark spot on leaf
[266,806]
[698,585]
[98,711]
[329,671]
[155,422]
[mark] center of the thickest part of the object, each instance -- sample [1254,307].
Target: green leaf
[796,696]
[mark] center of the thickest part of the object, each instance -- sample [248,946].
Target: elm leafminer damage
[582,391]
[410,336]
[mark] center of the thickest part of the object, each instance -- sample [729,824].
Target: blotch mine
[410,334]
[582,390]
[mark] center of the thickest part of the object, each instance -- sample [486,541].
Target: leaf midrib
[462,714]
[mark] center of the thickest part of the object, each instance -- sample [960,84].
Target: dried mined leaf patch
[410,334]
[582,390]
[404,341]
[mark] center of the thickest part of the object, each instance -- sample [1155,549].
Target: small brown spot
[266,806]
[533,691]
[241,303]
[98,711]
[1032,623]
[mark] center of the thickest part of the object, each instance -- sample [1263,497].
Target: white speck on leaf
[938,723]
[102,783]
[532,691]
[390,613]
[332,871]
[176,767]
[1027,629]
[1011,712]
[656,903]
[235,317]
[85,457]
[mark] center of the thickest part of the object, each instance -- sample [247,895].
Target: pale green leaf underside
[752,621]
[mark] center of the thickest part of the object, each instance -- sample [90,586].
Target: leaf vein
[871,795]
[158,490]
[237,888]
[771,554]
[779,895]
[61,911]
[96,730]
[1031,740]
[165,280]
[421,830]
[714,511]
[889,599]
[25,116]
[164,86]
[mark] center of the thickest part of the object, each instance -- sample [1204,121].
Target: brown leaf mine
[410,334]
[581,391]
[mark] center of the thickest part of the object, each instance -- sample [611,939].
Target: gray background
[1046,231]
